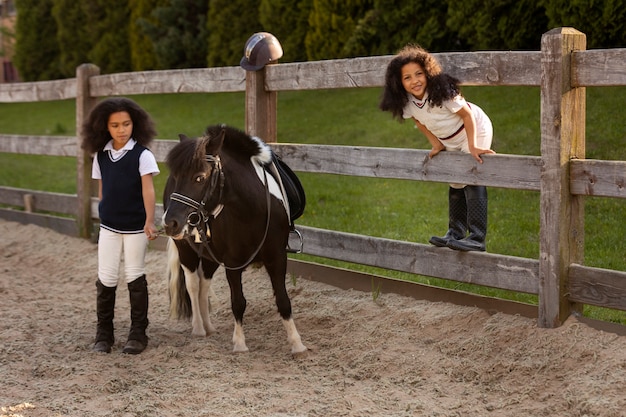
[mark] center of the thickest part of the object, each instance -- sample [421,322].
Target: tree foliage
[230,24]
[37,57]
[602,21]
[289,22]
[177,30]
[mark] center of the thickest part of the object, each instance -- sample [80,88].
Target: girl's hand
[151,231]
[435,150]
[476,152]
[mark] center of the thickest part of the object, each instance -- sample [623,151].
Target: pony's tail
[180,302]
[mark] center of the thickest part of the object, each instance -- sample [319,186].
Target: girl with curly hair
[118,131]
[417,88]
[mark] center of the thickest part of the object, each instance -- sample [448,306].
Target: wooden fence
[562,175]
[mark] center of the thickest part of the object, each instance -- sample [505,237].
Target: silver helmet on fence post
[261,49]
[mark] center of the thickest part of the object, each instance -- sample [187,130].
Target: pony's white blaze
[239,340]
[293,337]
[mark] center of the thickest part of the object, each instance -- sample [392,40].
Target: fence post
[562,139]
[261,106]
[84,105]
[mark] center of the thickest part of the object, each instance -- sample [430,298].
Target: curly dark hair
[95,129]
[440,86]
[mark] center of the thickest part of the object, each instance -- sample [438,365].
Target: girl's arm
[435,143]
[470,128]
[149,203]
[99,189]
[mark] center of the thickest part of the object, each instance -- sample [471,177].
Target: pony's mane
[189,154]
[238,142]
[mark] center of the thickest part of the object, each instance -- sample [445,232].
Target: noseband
[202,215]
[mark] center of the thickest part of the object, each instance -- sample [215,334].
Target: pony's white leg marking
[173,270]
[239,340]
[205,305]
[293,337]
[192,282]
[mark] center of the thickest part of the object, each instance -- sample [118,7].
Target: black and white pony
[222,208]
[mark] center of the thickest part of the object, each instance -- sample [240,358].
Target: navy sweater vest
[121,208]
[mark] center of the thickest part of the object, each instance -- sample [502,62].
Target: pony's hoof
[102,346]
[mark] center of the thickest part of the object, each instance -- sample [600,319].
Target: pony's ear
[182,137]
[214,145]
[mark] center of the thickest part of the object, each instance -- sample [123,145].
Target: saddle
[290,186]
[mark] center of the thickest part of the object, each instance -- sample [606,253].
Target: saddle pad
[294,191]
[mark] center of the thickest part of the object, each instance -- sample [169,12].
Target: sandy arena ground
[391,357]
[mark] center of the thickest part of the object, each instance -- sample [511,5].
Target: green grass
[396,209]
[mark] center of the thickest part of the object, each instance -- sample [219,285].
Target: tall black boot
[457,218]
[137,339]
[476,196]
[105,310]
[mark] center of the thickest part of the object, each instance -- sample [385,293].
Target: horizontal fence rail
[562,69]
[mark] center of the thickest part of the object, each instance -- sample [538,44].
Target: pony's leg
[277,271]
[207,296]
[238,306]
[192,282]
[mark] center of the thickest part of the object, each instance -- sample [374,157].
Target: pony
[221,208]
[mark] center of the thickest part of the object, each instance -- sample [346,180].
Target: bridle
[202,215]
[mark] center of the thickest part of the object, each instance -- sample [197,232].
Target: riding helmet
[260,49]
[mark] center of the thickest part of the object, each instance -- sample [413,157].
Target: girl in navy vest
[117,131]
[416,88]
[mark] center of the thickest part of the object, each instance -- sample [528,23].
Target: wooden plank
[506,171]
[161,147]
[195,80]
[562,138]
[360,281]
[38,145]
[598,178]
[472,68]
[43,200]
[63,225]
[599,67]
[498,271]
[597,286]
[38,91]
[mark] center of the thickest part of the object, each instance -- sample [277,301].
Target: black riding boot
[105,310]
[137,339]
[457,218]
[476,196]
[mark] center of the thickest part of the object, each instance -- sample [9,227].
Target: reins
[202,215]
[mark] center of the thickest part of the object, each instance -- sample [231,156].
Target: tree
[332,23]
[142,54]
[499,24]
[230,24]
[289,22]
[37,51]
[72,36]
[107,23]
[177,30]
[391,24]
[602,21]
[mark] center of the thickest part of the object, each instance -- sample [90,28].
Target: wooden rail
[562,175]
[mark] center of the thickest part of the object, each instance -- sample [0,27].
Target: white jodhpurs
[113,248]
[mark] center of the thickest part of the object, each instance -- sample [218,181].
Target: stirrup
[299,235]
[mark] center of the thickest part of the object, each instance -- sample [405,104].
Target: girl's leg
[457,218]
[109,252]
[135,247]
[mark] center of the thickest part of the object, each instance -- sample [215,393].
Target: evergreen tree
[602,21]
[178,33]
[230,24]
[331,25]
[499,24]
[391,24]
[37,51]
[107,23]
[143,56]
[72,35]
[289,22]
